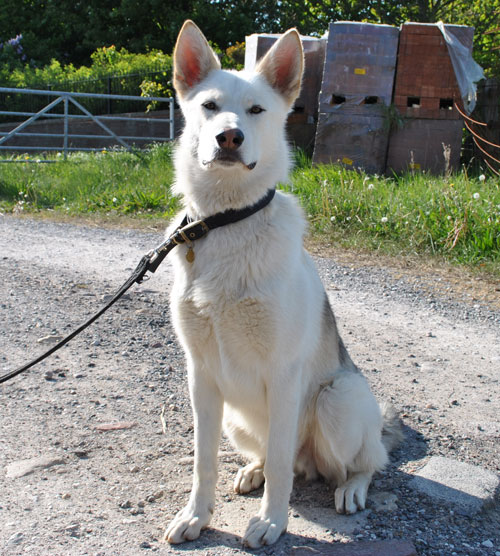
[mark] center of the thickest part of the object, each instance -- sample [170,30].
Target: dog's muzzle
[226,157]
[229,141]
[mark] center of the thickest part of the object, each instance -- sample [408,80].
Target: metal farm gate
[65,122]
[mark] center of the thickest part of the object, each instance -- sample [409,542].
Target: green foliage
[234,57]
[71,31]
[105,61]
[151,88]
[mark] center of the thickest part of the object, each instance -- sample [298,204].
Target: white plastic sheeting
[467,71]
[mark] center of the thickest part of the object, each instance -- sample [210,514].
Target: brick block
[357,142]
[418,146]
[424,71]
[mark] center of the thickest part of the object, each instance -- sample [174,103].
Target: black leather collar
[189,231]
[231,216]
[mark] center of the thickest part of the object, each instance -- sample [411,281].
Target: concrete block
[465,488]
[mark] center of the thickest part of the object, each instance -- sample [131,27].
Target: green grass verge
[455,217]
[109,182]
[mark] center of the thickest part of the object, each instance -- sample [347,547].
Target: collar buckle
[191,232]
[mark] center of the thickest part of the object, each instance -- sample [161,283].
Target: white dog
[263,353]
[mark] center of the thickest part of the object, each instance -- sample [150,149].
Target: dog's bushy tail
[392,432]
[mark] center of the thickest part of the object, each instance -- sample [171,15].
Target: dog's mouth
[225,157]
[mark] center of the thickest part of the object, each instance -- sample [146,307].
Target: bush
[106,62]
[12,57]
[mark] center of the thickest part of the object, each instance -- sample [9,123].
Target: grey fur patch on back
[330,324]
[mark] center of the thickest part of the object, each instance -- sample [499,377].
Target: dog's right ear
[193,58]
[283,65]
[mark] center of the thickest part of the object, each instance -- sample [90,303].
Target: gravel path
[107,492]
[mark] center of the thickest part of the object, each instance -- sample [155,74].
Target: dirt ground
[109,413]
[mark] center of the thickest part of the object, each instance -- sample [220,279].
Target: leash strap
[188,231]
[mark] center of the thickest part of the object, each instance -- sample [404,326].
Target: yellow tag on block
[415,166]
[360,71]
[346,160]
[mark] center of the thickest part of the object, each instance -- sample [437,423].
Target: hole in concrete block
[413,102]
[371,100]
[446,104]
[337,99]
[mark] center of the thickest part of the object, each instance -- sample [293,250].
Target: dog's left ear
[283,65]
[194,59]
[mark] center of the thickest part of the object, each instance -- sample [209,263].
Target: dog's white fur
[263,353]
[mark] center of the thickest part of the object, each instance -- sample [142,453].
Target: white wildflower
[370,186]
[476,195]
[384,219]
[482,177]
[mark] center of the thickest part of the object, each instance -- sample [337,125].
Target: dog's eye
[210,105]
[256,109]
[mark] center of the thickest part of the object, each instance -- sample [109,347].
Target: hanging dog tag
[190,254]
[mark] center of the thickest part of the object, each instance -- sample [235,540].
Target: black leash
[188,232]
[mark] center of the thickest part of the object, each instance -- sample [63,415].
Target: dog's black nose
[230,139]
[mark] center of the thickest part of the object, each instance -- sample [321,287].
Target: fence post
[491,107]
[172,116]
[109,92]
[65,144]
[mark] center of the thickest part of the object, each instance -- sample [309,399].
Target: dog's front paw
[187,525]
[264,530]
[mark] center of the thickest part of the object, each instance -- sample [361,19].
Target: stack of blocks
[386,99]
[425,94]
[356,92]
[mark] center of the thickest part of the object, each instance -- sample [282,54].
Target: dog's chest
[233,337]
[240,328]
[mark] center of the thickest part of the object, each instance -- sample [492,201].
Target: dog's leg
[236,428]
[283,407]
[207,404]
[348,441]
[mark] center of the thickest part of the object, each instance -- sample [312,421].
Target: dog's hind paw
[249,477]
[351,496]
[187,526]
[263,531]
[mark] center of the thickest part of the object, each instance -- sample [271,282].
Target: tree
[70,30]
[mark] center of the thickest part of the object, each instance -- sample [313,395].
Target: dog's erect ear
[193,58]
[283,65]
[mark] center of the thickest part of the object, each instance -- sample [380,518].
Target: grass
[456,218]
[107,182]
